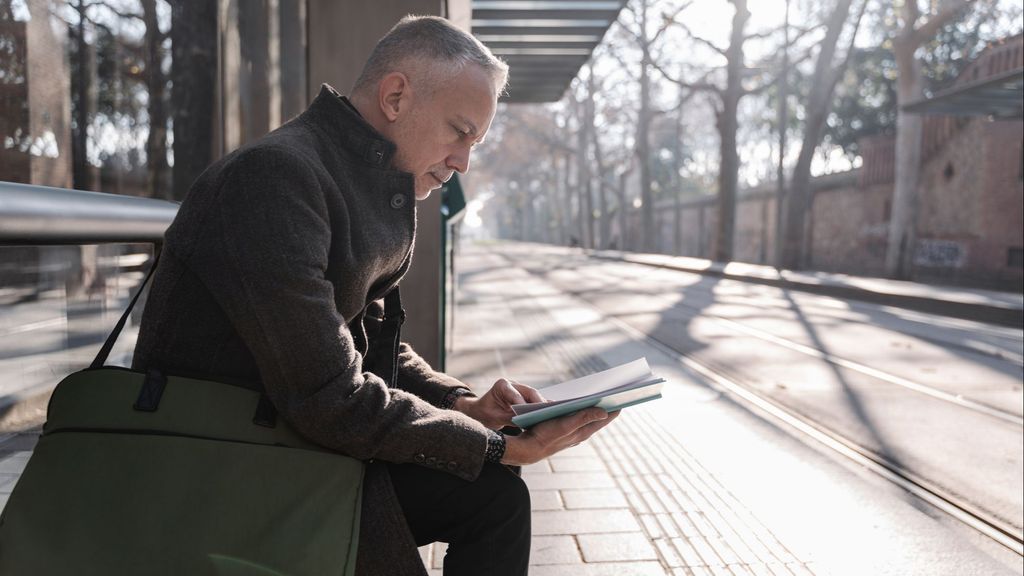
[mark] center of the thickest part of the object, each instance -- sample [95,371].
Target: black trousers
[486,523]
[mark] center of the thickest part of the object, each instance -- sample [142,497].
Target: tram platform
[696,483]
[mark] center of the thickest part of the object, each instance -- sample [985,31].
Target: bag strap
[101,357]
[391,332]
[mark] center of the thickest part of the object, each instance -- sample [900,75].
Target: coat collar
[348,130]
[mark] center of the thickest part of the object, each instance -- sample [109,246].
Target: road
[938,399]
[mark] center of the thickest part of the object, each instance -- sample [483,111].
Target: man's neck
[366,110]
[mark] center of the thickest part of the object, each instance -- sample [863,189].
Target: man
[272,273]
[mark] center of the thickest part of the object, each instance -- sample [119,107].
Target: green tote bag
[145,474]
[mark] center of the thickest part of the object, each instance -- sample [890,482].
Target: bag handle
[391,332]
[101,357]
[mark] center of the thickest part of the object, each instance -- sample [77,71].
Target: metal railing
[38,215]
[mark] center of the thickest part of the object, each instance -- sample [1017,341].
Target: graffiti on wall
[940,254]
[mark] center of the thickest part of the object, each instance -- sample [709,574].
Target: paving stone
[669,526]
[616,547]
[580,451]
[651,526]
[584,522]
[569,480]
[593,464]
[602,569]
[721,571]
[539,469]
[14,462]
[545,500]
[685,525]
[779,569]
[653,502]
[554,550]
[687,552]
[7,482]
[637,503]
[724,551]
[800,569]
[605,498]
[437,552]
[707,553]
[668,552]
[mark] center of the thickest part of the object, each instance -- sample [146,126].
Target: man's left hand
[494,409]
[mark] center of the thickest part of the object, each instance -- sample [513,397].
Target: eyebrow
[467,122]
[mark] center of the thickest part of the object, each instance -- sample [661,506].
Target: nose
[459,159]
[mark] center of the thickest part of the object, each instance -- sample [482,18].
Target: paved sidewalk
[633,500]
[679,486]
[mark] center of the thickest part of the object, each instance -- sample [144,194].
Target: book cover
[612,389]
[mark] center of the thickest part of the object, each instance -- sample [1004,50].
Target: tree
[915,29]
[645,41]
[792,233]
[194,81]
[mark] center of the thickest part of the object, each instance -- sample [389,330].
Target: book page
[599,381]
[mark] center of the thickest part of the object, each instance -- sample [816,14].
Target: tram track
[958,508]
[845,363]
[812,431]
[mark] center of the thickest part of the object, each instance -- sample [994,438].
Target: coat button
[452,465]
[398,201]
[419,458]
[432,461]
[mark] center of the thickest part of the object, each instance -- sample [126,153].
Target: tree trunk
[566,199]
[643,152]
[193,93]
[902,223]
[82,174]
[623,211]
[677,180]
[156,83]
[586,202]
[819,103]
[728,173]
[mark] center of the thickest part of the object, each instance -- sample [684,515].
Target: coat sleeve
[417,376]
[262,251]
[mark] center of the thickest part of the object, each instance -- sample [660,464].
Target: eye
[462,133]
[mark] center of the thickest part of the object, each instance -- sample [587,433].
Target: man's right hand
[554,435]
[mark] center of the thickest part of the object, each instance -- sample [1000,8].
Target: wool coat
[271,275]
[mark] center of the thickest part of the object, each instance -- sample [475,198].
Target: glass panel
[57,305]
[121,96]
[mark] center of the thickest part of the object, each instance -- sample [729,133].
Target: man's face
[436,136]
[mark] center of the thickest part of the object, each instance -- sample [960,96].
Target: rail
[42,215]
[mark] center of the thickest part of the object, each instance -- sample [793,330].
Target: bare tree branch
[930,28]
[701,85]
[668,20]
[703,41]
[116,12]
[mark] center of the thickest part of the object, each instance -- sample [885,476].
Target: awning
[999,96]
[545,42]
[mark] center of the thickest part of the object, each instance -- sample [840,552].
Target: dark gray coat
[270,274]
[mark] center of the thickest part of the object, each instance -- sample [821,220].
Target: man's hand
[494,409]
[554,435]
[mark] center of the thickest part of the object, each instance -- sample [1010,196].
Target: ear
[394,94]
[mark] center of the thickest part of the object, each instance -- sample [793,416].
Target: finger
[583,433]
[586,417]
[529,393]
[509,394]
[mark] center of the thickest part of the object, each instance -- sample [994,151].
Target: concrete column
[340,39]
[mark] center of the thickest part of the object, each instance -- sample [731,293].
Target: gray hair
[439,42]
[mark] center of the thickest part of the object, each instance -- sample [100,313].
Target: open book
[611,389]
